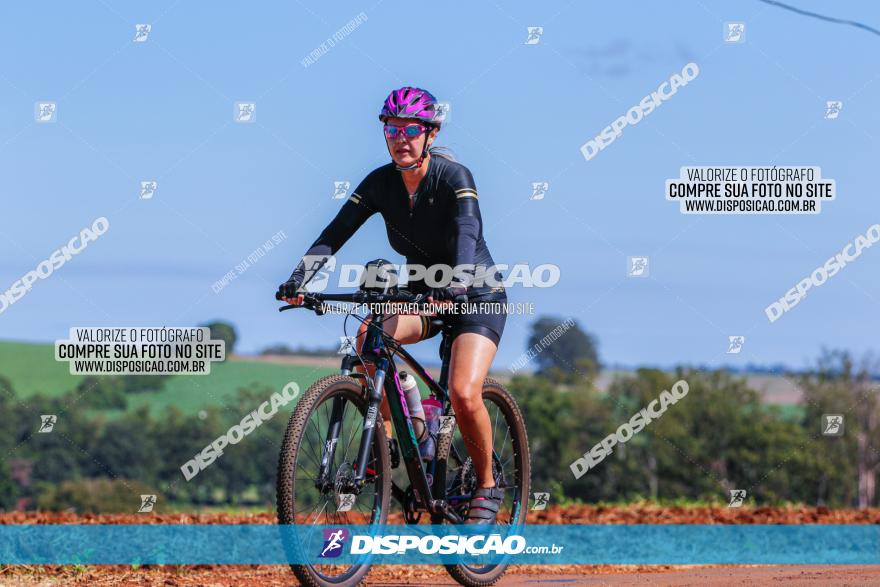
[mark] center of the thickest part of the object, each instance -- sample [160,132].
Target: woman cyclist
[429,205]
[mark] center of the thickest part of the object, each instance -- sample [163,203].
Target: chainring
[465,480]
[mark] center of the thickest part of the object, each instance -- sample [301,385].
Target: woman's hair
[442,152]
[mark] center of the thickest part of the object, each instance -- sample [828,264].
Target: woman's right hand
[289,292]
[297,301]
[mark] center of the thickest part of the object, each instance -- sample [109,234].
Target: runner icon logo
[735,344]
[441,112]
[637,266]
[446,424]
[539,190]
[47,423]
[737,497]
[142,32]
[541,500]
[535,33]
[333,542]
[832,109]
[147,503]
[245,112]
[346,345]
[45,112]
[340,189]
[832,424]
[148,189]
[344,501]
[734,32]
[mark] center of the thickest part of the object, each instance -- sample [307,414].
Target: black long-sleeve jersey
[444,225]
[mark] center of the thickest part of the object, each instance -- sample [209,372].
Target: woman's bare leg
[472,355]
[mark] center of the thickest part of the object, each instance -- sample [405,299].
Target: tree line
[717,438]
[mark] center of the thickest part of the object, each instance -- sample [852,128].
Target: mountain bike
[325,476]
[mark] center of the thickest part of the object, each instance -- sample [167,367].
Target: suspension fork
[372,342]
[374,398]
[329,448]
[328,451]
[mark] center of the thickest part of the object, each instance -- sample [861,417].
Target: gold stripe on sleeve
[465,193]
[425,326]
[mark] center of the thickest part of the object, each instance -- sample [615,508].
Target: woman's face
[404,150]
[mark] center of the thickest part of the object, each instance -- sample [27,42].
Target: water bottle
[433,409]
[410,388]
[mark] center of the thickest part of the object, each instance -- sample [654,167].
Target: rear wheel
[300,501]
[510,467]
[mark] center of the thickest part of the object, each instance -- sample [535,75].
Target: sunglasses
[410,131]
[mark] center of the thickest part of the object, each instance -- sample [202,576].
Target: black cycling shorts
[487,316]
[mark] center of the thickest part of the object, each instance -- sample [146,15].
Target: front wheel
[511,468]
[303,500]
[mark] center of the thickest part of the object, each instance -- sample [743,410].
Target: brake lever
[308,303]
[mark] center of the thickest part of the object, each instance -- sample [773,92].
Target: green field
[32,369]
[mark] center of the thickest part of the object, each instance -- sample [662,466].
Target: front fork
[374,399]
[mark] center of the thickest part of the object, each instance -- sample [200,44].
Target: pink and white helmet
[409,102]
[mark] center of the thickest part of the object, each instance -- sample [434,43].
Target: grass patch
[32,369]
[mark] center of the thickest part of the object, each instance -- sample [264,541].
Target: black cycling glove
[288,289]
[456,294]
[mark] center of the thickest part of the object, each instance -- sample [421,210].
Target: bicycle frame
[381,352]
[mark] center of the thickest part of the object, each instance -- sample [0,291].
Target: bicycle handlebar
[314,301]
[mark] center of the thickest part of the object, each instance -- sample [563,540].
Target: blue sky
[162,110]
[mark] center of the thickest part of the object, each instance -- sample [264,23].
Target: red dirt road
[538,576]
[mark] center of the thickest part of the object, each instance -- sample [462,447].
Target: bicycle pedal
[395,452]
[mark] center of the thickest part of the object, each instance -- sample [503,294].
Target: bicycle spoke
[342,424]
[316,460]
[457,454]
[319,441]
[495,426]
[339,455]
[303,510]
[504,442]
[311,455]
[317,517]
[362,507]
[354,429]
